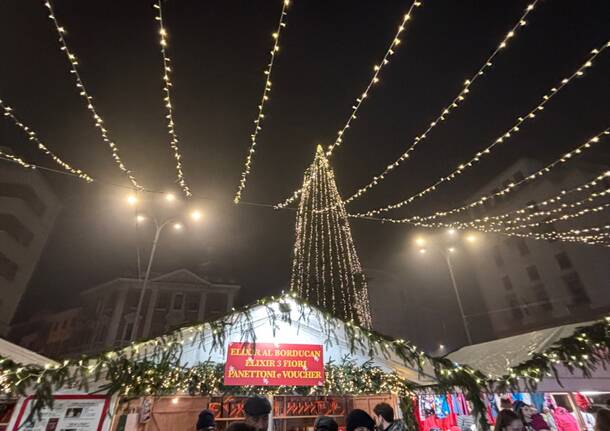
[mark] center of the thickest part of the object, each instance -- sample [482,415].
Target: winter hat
[325,423]
[206,420]
[257,406]
[359,418]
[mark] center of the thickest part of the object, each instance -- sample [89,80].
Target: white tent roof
[495,357]
[22,355]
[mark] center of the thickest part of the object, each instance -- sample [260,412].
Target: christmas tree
[326,270]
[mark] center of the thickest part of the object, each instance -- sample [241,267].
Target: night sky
[219,51]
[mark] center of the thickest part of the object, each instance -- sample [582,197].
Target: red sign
[273,364]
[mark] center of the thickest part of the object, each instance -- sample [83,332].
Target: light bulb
[196,215]
[132,199]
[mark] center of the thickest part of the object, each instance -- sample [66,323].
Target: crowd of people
[517,416]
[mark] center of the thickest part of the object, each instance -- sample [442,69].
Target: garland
[153,367]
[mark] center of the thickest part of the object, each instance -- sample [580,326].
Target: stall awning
[21,355]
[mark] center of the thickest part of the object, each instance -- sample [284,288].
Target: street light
[420,241]
[159,226]
[446,253]
[132,200]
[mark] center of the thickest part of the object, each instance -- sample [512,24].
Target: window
[127,332]
[576,289]
[192,302]
[25,193]
[542,298]
[8,268]
[498,256]
[522,247]
[515,307]
[162,300]
[532,273]
[508,285]
[215,305]
[15,229]
[563,260]
[178,301]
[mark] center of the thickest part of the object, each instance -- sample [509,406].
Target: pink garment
[538,423]
[564,420]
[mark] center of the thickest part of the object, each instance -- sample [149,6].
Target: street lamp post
[158,229]
[446,254]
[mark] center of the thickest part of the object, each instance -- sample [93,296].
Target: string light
[265,97]
[501,139]
[15,159]
[447,110]
[32,137]
[326,268]
[511,187]
[375,78]
[167,99]
[99,122]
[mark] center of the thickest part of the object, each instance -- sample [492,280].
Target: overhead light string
[514,186]
[452,106]
[258,122]
[375,79]
[501,139]
[99,122]
[32,137]
[167,100]
[14,159]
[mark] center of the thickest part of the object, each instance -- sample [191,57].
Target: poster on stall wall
[274,364]
[69,413]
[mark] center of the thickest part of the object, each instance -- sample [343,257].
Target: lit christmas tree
[326,270]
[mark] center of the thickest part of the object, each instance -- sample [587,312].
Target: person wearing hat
[257,411]
[359,420]
[206,421]
[325,423]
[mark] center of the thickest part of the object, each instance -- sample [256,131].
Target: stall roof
[21,355]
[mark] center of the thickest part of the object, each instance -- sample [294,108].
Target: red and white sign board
[70,412]
[274,364]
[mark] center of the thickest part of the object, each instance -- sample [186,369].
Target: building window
[532,273]
[25,193]
[576,289]
[178,301]
[192,302]
[522,247]
[162,300]
[498,256]
[15,229]
[542,298]
[8,268]
[563,260]
[508,285]
[515,307]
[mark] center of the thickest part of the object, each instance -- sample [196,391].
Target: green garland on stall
[153,366]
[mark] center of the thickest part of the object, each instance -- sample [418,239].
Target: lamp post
[446,254]
[159,227]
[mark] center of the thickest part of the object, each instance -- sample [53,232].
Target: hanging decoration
[502,138]
[452,106]
[258,122]
[326,270]
[513,186]
[32,137]
[375,78]
[167,99]
[9,157]
[99,122]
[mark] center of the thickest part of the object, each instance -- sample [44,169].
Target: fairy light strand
[501,139]
[167,100]
[99,122]
[14,159]
[32,137]
[514,186]
[375,79]
[261,107]
[451,107]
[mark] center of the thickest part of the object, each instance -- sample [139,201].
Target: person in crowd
[507,420]
[359,420]
[589,419]
[565,420]
[602,420]
[506,404]
[532,420]
[240,426]
[547,415]
[206,421]
[383,414]
[325,423]
[256,411]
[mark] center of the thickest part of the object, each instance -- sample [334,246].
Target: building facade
[529,284]
[28,209]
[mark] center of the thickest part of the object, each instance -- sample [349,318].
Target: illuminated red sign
[274,364]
